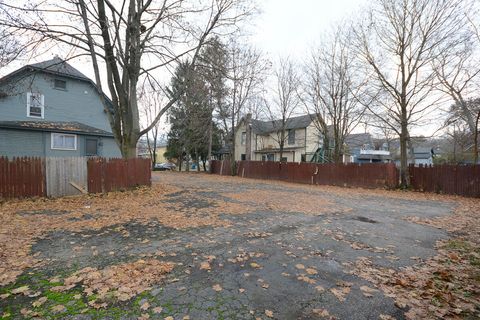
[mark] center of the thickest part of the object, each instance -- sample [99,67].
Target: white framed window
[35,105]
[64,141]
[243,138]
[291,136]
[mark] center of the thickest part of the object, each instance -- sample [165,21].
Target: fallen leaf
[269,313]
[20,290]
[205,265]
[58,308]
[217,287]
[311,271]
[39,302]
[321,312]
[145,306]
[340,294]
[157,310]
[320,288]
[367,291]
[300,266]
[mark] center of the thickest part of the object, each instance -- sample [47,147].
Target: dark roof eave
[97,134]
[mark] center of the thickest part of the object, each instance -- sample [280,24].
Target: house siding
[13,143]
[19,143]
[80,102]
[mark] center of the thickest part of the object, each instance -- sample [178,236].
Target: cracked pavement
[265,260]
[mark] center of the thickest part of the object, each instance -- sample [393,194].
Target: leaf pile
[118,282]
[22,222]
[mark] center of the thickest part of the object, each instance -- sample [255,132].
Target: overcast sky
[291,27]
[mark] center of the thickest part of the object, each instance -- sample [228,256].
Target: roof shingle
[55,126]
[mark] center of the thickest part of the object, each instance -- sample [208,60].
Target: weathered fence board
[356,175]
[118,174]
[449,179]
[62,173]
[22,177]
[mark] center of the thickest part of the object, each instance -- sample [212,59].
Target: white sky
[283,28]
[291,27]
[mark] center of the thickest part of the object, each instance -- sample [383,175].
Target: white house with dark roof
[52,109]
[258,140]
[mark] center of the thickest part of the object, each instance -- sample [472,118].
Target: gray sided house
[50,109]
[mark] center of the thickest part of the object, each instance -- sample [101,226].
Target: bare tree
[245,72]
[151,100]
[398,42]
[126,41]
[286,100]
[332,86]
[10,49]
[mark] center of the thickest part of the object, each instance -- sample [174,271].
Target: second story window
[291,136]
[60,84]
[35,105]
[243,139]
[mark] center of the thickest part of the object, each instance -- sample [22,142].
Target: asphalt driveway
[273,250]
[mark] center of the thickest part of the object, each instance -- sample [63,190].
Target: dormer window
[35,105]
[60,84]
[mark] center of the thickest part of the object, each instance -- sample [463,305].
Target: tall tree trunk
[233,166]
[129,150]
[404,178]
[210,138]
[179,163]
[475,139]
[282,144]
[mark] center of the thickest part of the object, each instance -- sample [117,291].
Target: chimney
[248,140]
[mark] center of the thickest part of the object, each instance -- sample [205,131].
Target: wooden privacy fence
[22,177]
[118,174]
[366,175]
[54,177]
[449,179]
[66,176]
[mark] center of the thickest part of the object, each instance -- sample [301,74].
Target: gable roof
[263,127]
[59,67]
[358,140]
[55,126]
[55,66]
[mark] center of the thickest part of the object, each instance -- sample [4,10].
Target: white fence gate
[66,176]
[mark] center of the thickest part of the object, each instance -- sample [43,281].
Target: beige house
[259,140]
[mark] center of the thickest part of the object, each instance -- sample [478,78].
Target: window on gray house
[243,139]
[35,105]
[291,136]
[60,84]
[91,148]
[271,157]
[64,141]
[243,157]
